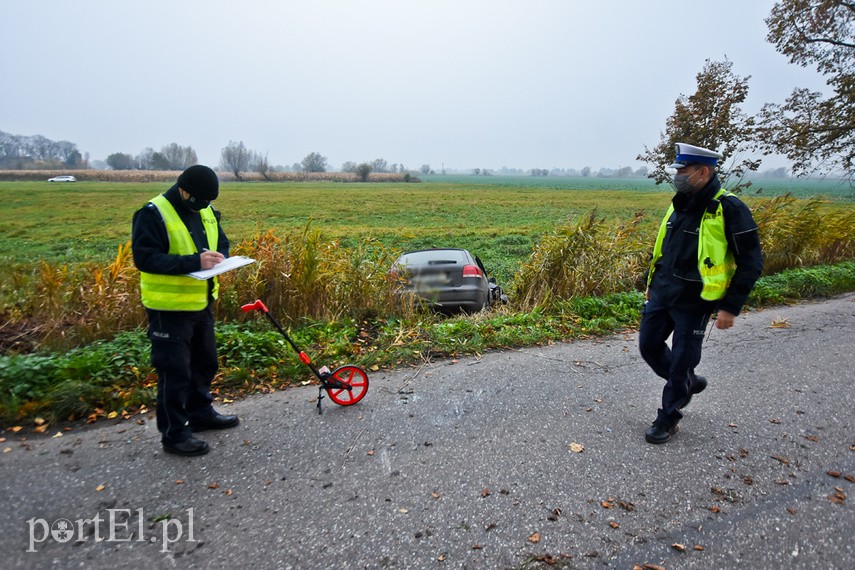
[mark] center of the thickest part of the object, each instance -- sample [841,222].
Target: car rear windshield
[434,257]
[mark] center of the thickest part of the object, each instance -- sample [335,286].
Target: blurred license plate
[432,279]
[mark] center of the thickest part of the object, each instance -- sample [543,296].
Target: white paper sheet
[226,265]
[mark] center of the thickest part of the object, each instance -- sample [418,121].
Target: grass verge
[114,378]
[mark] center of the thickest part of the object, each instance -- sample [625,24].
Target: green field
[498,218]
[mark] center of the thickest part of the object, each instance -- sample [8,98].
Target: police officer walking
[174,234]
[706,258]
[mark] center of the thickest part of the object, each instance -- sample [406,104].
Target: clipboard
[227,264]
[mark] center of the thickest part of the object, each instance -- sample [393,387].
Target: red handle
[257,306]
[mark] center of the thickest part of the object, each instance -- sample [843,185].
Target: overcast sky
[464,83]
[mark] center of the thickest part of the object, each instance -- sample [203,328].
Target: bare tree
[235,158]
[260,164]
[379,165]
[362,171]
[179,157]
[314,162]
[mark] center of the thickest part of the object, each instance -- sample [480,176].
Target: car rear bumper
[465,297]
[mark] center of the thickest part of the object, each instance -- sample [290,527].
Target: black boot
[189,447]
[215,421]
[656,434]
[698,386]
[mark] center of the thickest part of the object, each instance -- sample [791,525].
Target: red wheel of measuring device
[353,376]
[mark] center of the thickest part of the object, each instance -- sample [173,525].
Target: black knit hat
[200,182]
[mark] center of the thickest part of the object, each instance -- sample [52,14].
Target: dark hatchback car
[448,279]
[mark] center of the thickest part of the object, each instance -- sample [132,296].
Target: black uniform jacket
[677,279]
[150,242]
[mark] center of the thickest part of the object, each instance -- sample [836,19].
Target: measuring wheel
[354,377]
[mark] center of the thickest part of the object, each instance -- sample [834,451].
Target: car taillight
[471,271]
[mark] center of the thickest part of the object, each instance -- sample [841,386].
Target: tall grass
[302,276]
[591,257]
[799,233]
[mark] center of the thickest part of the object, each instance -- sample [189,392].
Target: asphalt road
[468,464]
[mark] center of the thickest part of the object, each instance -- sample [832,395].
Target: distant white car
[62,179]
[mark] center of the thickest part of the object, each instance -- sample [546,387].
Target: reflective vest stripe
[179,292]
[716,263]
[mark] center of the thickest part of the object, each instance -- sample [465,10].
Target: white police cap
[689,154]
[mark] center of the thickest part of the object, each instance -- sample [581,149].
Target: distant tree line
[20,152]
[171,157]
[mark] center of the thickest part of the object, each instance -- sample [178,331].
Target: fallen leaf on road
[780,458]
[16,429]
[614,524]
[100,488]
[792,511]
[477,547]
[534,538]
[626,505]
[371,452]
[435,495]
[213,485]
[39,421]
[485,492]
[732,425]
[835,474]
[775,421]
[782,323]
[715,509]
[838,497]
[698,547]
[179,481]
[403,511]
[812,438]
[57,434]
[850,478]
[441,557]
[679,547]
[607,504]
[743,453]
[227,492]
[653,567]
[577,447]
[7,449]
[41,429]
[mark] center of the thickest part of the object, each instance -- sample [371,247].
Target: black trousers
[184,353]
[677,363]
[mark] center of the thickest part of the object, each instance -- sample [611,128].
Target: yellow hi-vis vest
[179,292]
[715,261]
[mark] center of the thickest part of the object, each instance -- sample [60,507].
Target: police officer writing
[706,258]
[177,233]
